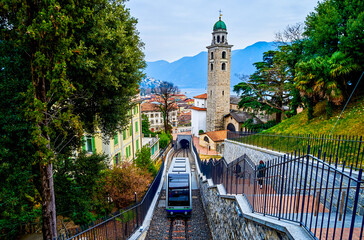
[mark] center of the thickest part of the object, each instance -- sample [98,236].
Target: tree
[144,162]
[146,127]
[75,185]
[332,61]
[20,200]
[84,63]
[268,88]
[164,139]
[164,92]
[123,180]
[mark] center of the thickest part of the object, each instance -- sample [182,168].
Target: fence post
[282,183]
[255,173]
[305,182]
[136,209]
[355,203]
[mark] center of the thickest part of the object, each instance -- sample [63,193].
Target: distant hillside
[350,123]
[191,72]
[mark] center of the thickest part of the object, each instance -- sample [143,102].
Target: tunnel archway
[231,127]
[184,143]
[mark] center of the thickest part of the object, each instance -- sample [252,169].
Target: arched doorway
[231,127]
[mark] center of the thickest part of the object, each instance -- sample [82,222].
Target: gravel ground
[197,224]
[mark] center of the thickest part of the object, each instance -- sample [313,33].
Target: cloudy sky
[172,29]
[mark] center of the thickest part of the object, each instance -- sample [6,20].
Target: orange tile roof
[149,107]
[217,136]
[202,96]
[198,109]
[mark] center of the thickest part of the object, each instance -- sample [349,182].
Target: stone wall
[234,150]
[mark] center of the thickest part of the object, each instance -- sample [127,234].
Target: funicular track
[195,227]
[178,226]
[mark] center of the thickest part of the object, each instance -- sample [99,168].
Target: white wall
[198,121]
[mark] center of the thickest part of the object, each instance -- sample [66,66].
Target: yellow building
[124,145]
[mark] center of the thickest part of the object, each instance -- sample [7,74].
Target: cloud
[172,29]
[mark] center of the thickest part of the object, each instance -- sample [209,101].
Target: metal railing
[123,223]
[341,148]
[317,193]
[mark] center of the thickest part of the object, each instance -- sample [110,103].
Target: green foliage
[77,65]
[248,124]
[144,162]
[164,139]
[146,127]
[19,198]
[76,185]
[333,56]
[350,123]
[268,88]
[323,64]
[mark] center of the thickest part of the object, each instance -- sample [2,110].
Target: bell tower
[218,78]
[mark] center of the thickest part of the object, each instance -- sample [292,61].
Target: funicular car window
[178,190]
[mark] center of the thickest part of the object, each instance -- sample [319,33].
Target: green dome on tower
[220,25]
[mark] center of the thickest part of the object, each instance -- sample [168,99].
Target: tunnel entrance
[184,143]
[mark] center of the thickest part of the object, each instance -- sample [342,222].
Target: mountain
[149,83]
[191,72]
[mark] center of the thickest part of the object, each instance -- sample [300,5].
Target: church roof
[241,117]
[219,25]
[201,96]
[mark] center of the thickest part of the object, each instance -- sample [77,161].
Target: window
[223,66]
[136,126]
[137,144]
[130,131]
[151,115]
[211,92]
[89,144]
[124,134]
[116,139]
[211,66]
[206,139]
[223,55]
[151,122]
[223,93]
[218,39]
[117,159]
[223,39]
[212,56]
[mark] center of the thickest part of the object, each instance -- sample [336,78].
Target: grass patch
[351,122]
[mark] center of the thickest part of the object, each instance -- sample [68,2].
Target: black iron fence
[323,197]
[341,148]
[122,224]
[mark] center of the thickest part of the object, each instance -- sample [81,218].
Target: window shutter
[93,145]
[83,143]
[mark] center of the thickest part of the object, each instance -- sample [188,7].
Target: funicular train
[178,192]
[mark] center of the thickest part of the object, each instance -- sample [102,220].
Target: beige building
[218,78]
[155,116]
[213,140]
